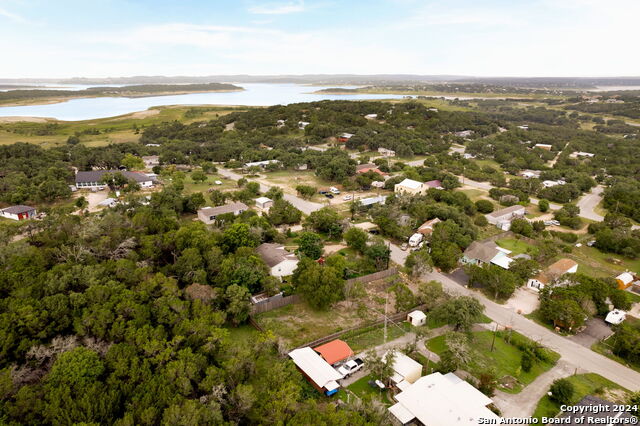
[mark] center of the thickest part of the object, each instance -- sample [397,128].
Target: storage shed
[417,318]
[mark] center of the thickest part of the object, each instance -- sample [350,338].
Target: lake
[255,94]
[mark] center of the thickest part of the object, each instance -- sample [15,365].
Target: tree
[310,245]
[238,305]
[431,294]
[81,202]
[283,212]
[543,205]
[461,312]
[193,202]
[381,367]
[217,197]
[198,176]
[238,235]
[321,286]
[568,216]
[356,238]
[379,253]
[484,206]
[306,191]
[445,255]
[419,262]
[131,162]
[562,391]
[522,227]
[457,353]
[275,193]
[500,282]
[326,220]
[565,313]
[524,268]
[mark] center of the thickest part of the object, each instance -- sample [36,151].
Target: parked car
[347,197]
[322,192]
[350,367]
[374,231]
[328,195]
[218,182]
[334,190]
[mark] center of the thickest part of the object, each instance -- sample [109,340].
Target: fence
[274,303]
[373,277]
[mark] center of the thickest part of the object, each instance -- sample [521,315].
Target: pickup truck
[350,367]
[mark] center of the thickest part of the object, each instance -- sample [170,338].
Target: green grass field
[517,246]
[505,359]
[584,384]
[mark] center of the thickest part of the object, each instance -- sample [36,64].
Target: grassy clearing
[119,129]
[475,194]
[504,359]
[190,186]
[371,337]
[584,384]
[517,246]
[598,264]
[363,390]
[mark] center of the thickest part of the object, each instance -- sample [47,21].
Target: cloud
[277,8]
[12,16]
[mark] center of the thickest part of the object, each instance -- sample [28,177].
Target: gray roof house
[208,215]
[281,263]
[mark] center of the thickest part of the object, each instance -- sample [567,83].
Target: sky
[102,38]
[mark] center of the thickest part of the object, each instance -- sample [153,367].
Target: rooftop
[506,211]
[410,183]
[316,368]
[274,254]
[334,351]
[96,175]
[18,209]
[227,208]
[484,252]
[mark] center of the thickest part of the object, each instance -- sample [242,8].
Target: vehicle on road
[350,367]
[347,197]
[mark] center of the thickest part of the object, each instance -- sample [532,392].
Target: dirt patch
[144,114]
[27,119]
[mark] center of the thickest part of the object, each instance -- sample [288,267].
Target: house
[502,218]
[417,318]
[316,370]
[262,164]
[583,413]
[550,183]
[208,215]
[264,203]
[544,146]
[281,263]
[442,399]
[581,154]
[552,273]
[405,369]
[335,351]
[302,124]
[625,280]
[371,116]
[436,184]
[427,227]
[343,138]
[19,212]
[151,160]
[93,178]
[523,127]
[377,184]
[368,202]
[386,152]
[464,133]
[485,253]
[529,174]
[281,123]
[410,187]
[369,167]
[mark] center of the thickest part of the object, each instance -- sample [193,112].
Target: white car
[218,182]
[350,367]
[347,197]
[334,190]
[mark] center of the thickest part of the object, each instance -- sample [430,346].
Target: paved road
[306,207]
[589,201]
[570,351]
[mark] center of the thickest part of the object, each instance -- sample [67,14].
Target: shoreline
[60,99]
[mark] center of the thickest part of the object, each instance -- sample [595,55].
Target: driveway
[94,199]
[596,330]
[459,276]
[589,201]
[523,300]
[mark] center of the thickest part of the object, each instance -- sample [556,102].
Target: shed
[405,368]
[335,351]
[264,202]
[417,318]
[19,212]
[624,280]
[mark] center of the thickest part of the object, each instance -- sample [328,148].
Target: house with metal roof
[316,370]
[485,253]
[552,273]
[335,351]
[19,212]
[281,263]
[410,187]
[439,399]
[208,215]
[93,178]
[502,218]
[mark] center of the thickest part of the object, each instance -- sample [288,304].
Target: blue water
[253,95]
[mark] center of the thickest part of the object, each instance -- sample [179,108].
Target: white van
[334,190]
[415,240]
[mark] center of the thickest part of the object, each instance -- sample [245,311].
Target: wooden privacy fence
[373,277]
[274,303]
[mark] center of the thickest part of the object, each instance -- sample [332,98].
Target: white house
[368,202]
[371,116]
[386,152]
[93,178]
[441,400]
[581,154]
[545,146]
[484,253]
[264,203]
[464,133]
[410,187]
[552,273]
[417,318]
[280,262]
[302,124]
[405,369]
[19,212]
[262,164]
[529,174]
[318,372]
[550,183]
[502,218]
[208,215]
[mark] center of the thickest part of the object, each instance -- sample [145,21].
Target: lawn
[505,359]
[363,390]
[596,263]
[474,194]
[604,347]
[584,384]
[190,186]
[517,246]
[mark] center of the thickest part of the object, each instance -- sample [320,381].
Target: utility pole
[386,300]
[493,342]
